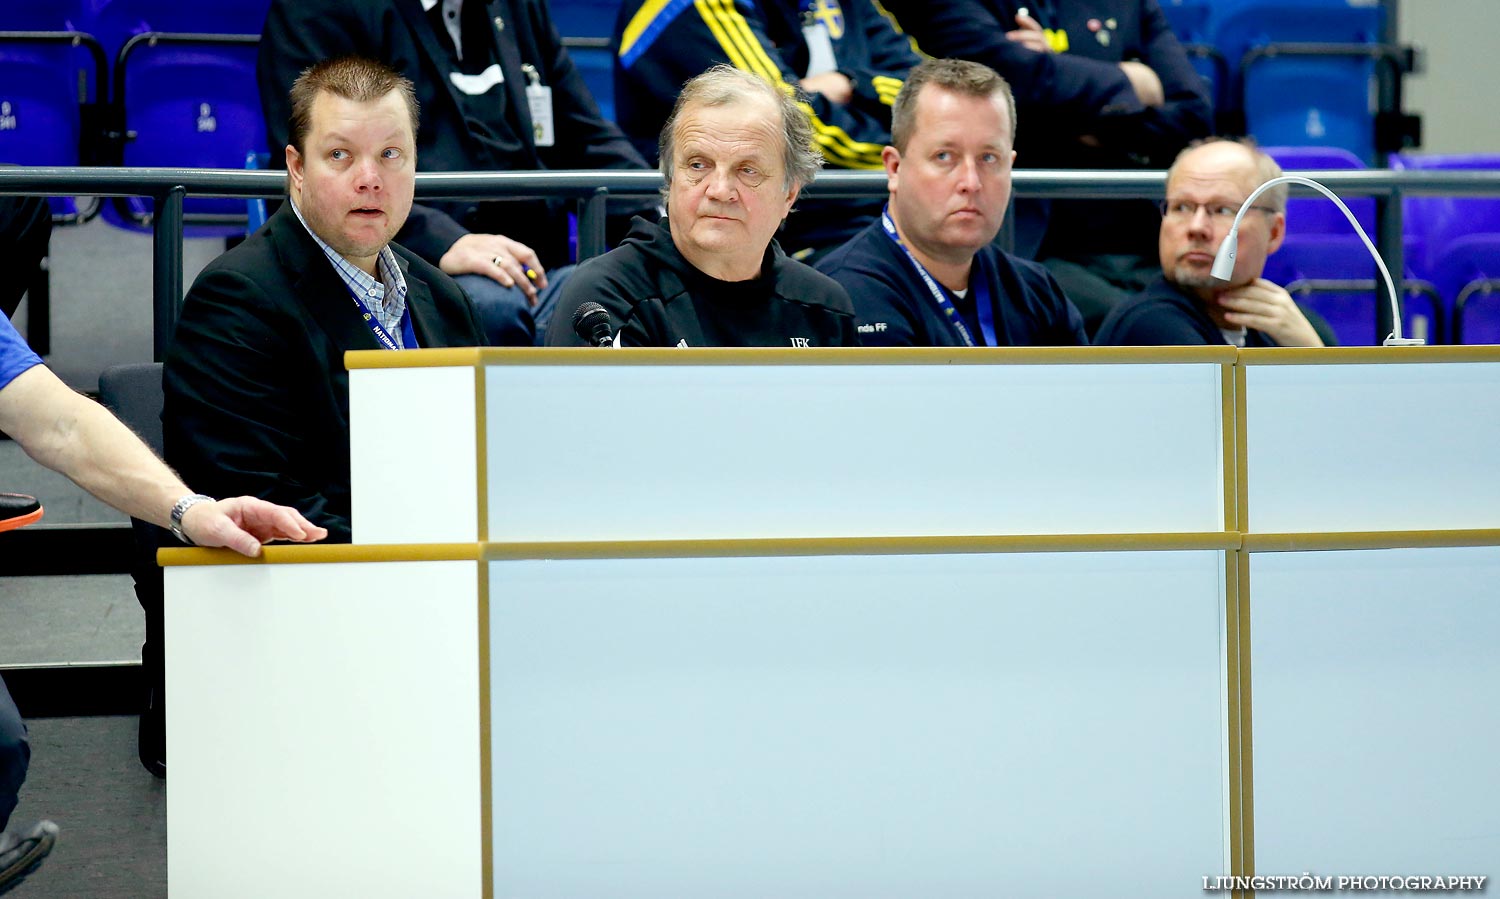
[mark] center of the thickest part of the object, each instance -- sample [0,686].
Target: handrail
[590,188]
[1046,183]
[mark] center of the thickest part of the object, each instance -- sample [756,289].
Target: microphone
[592,325]
[1223,267]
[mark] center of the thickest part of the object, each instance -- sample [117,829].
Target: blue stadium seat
[53,87]
[1461,237]
[1317,215]
[1468,270]
[1324,263]
[597,66]
[586,26]
[185,95]
[1335,276]
[1303,100]
[256,206]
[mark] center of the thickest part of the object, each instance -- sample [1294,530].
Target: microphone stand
[1223,267]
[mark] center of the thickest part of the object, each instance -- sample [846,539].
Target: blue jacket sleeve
[1158,133]
[1071,87]
[890,56]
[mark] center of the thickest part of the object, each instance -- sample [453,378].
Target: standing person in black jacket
[1102,84]
[845,58]
[498,92]
[735,153]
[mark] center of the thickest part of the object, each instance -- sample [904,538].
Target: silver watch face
[180,508]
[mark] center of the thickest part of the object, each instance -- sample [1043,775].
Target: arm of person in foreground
[73,435]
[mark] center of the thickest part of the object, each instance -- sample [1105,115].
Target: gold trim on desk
[481,454]
[1232,424]
[1233,781]
[1320,542]
[486,754]
[1085,355]
[323,553]
[1367,355]
[452,357]
[1241,712]
[1073,355]
[860,546]
[1224,541]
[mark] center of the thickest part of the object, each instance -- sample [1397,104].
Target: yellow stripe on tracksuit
[896,25]
[886,88]
[734,35]
[639,22]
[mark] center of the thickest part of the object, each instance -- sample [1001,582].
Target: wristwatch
[180,508]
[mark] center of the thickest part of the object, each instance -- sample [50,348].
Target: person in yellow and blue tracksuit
[845,58]
[1099,84]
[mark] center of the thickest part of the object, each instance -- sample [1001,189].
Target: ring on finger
[497,260]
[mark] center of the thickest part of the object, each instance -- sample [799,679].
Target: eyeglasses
[1223,213]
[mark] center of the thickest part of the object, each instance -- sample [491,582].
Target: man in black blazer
[498,92]
[257,398]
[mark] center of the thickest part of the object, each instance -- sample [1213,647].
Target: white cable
[1223,267]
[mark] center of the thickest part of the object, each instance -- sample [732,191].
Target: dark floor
[84,773]
[113,814]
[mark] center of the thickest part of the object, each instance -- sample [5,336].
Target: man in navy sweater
[927,273]
[1187,305]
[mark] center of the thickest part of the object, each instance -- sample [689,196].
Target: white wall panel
[1373,447]
[717,451]
[323,730]
[414,461]
[1375,708]
[971,725]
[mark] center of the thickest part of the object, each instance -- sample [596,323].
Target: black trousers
[25,230]
[15,755]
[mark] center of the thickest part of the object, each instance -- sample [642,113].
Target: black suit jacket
[299,33]
[257,397]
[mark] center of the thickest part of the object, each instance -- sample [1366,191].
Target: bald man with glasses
[1187,305]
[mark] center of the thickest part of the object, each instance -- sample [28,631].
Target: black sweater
[655,297]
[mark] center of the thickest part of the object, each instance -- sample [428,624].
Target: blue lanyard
[408,336]
[980,287]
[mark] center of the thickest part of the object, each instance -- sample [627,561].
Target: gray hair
[723,85]
[970,79]
[1266,168]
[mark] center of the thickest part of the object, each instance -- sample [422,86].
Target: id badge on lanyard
[382,336]
[539,101]
[983,306]
[822,23]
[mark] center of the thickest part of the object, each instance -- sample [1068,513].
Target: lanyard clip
[531,74]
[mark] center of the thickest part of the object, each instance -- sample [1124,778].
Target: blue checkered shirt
[385,299]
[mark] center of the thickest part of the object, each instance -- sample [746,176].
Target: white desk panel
[720,451]
[1373,447]
[1376,680]
[937,726]
[414,459]
[323,730]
